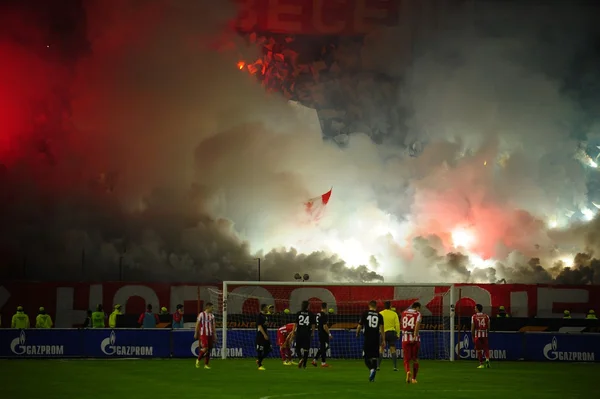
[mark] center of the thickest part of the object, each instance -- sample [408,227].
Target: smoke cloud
[172,165]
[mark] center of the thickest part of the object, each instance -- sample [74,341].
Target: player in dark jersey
[304,331]
[322,322]
[371,324]
[263,344]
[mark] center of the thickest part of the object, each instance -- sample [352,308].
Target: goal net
[237,305]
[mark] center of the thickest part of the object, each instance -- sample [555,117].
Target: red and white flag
[315,207]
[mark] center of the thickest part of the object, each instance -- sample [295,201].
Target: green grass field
[116,379]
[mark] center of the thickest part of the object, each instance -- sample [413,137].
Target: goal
[239,303]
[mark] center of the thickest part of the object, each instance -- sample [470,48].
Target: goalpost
[238,303]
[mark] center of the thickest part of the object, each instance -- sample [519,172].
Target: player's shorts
[281,338]
[324,338]
[481,343]
[390,338]
[302,342]
[206,342]
[371,350]
[410,350]
[263,344]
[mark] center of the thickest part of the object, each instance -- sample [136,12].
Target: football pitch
[176,378]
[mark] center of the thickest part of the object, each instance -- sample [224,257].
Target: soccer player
[304,331]
[285,335]
[371,323]
[205,332]
[263,344]
[391,327]
[411,341]
[480,325]
[322,322]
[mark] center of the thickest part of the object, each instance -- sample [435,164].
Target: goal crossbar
[300,284]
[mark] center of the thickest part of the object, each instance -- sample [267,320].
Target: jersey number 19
[373,321]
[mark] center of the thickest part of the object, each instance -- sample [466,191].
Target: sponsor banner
[127,343]
[241,343]
[503,346]
[40,343]
[562,347]
[316,17]
[67,303]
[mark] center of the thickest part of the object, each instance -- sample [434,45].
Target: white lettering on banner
[66,314]
[519,301]
[146,293]
[424,295]
[216,352]
[182,293]
[18,347]
[546,297]
[551,352]
[109,347]
[311,352]
[293,17]
[248,16]
[314,17]
[463,350]
[362,15]
[319,22]
[238,296]
[303,294]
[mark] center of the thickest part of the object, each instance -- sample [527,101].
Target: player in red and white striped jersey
[480,326]
[410,323]
[285,336]
[205,333]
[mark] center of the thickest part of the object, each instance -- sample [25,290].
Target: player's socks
[487,363]
[408,377]
[395,360]
[207,358]
[305,359]
[372,375]
[415,370]
[379,362]
[197,363]
[406,365]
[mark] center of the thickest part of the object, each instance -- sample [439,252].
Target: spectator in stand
[566,314]
[148,319]
[43,319]
[98,317]
[591,315]
[178,317]
[20,319]
[502,312]
[88,319]
[112,319]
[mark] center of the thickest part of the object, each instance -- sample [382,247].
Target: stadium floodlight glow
[238,307]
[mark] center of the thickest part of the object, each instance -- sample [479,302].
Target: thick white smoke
[205,171]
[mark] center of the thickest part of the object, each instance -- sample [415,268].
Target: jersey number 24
[303,320]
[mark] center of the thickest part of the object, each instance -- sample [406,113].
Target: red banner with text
[67,302]
[316,17]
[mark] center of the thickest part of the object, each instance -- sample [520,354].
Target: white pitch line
[288,395]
